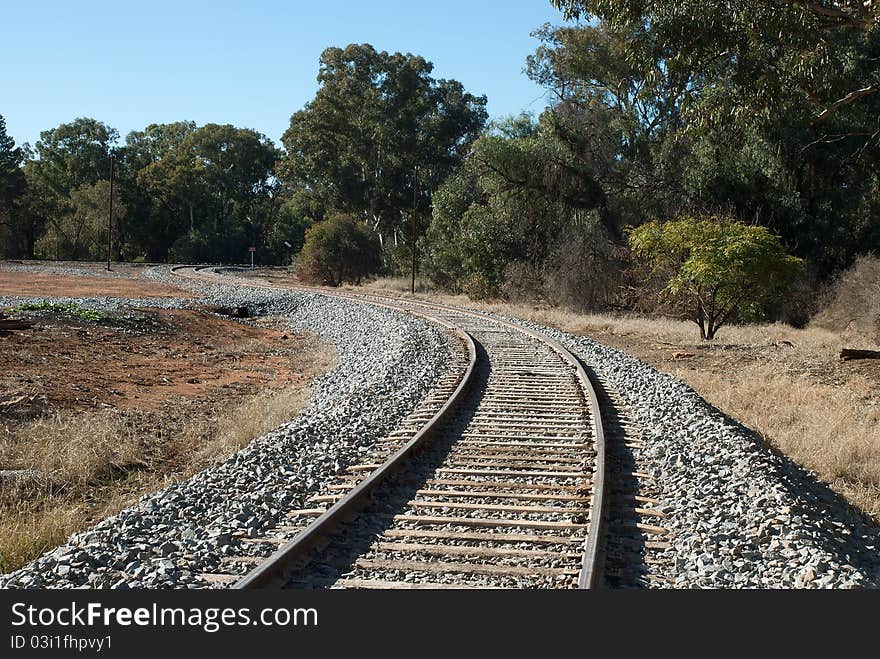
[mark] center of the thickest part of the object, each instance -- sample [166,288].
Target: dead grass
[833,430]
[785,383]
[234,430]
[852,307]
[92,465]
[399,285]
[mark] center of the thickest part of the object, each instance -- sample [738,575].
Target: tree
[520,197]
[213,188]
[287,232]
[12,187]
[151,226]
[380,136]
[68,157]
[338,250]
[616,109]
[73,155]
[717,270]
[818,57]
[765,110]
[81,232]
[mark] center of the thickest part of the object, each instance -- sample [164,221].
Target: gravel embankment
[387,363]
[739,515]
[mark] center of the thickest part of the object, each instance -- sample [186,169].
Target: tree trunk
[701,322]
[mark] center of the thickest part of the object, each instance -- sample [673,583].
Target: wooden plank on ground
[490,523]
[848,354]
[462,568]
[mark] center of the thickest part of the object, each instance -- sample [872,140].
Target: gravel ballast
[388,362]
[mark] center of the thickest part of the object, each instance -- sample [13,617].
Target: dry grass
[785,383]
[398,285]
[852,307]
[234,430]
[25,535]
[73,450]
[833,430]
[92,465]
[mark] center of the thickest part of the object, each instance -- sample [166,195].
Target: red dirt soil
[54,285]
[76,365]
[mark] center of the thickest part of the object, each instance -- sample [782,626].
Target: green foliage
[765,111]
[12,188]
[380,136]
[80,230]
[753,57]
[211,189]
[338,250]
[73,155]
[69,310]
[468,244]
[717,270]
[521,188]
[295,215]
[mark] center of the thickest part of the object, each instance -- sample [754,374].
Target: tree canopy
[380,135]
[13,185]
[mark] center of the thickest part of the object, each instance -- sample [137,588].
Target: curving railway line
[497,480]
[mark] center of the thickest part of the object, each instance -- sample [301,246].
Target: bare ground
[56,285]
[95,414]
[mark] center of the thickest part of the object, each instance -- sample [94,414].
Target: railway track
[497,480]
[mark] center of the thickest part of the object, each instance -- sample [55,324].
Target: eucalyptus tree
[380,136]
[214,187]
[12,187]
[779,122]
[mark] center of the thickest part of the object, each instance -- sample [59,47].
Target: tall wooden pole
[412,286]
[110,218]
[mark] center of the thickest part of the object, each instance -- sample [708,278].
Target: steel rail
[590,575]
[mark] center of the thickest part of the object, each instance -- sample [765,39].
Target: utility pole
[110,218]
[415,201]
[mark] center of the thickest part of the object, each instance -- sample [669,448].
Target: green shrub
[716,270]
[338,250]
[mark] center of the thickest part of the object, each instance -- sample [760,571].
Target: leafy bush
[338,250]
[716,270]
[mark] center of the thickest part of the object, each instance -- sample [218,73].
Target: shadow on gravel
[624,550]
[834,523]
[353,540]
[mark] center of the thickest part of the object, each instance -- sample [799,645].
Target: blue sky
[251,64]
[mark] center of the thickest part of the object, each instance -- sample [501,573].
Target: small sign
[252,249]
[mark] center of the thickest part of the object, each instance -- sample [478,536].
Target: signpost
[252,250]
